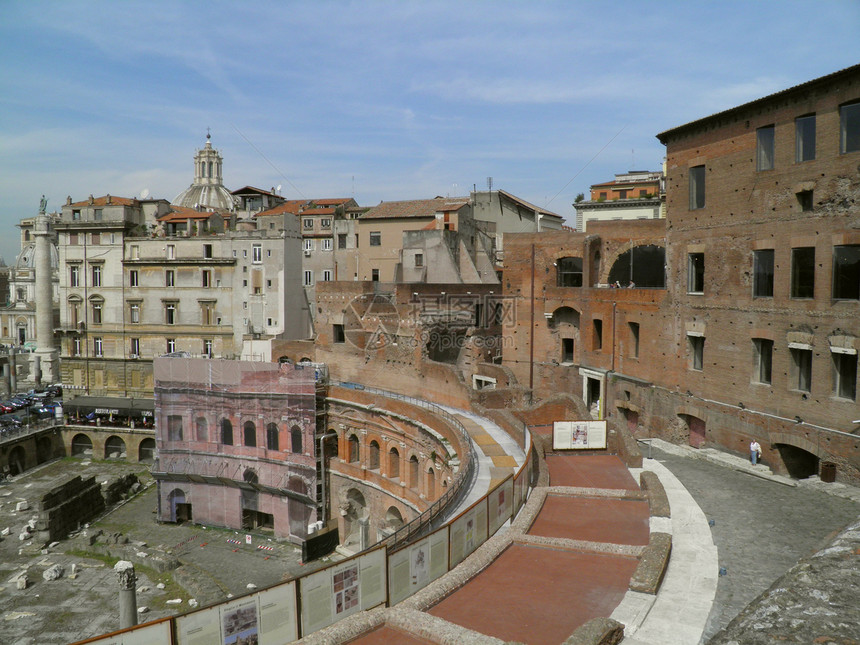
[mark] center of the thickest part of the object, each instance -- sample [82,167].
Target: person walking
[755,452]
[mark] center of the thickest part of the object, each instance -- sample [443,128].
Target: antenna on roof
[490,184]
[278,189]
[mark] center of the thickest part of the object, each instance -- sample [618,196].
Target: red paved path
[618,521]
[589,471]
[386,635]
[538,595]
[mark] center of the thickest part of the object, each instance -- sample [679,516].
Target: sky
[380,100]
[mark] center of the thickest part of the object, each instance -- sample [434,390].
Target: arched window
[250,476]
[226,432]
[296,440]
[641,266]
[413,472]
[250,432]
[373,456]
[431,484]
[569,272]
[393,463]
[353,449]
[201,429]
[272,436]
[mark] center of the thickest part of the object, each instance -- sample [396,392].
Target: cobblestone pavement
[70,609]
[761,526]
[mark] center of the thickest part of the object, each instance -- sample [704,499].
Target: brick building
[755,333]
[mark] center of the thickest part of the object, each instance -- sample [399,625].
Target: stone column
[45,349]
[127,593]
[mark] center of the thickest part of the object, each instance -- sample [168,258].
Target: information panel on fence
[468,532]
[417,565]
[578,435]
[341,590]
[521,481]
[267,617]
[499,502]
[156,633]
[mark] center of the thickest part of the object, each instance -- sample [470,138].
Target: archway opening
[799,463]
[393,464]
[643,266]
[146,451]
[114,448]
[17,461]
[82,445]
[373,456]
[44,449]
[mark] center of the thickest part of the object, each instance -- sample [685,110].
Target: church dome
[207,192]
[27,257]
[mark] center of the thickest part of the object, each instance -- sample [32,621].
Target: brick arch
[797,442]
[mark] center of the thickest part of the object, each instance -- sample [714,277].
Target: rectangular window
[696,348]
[73,239]
[257,256]
[207,313]
[171,345]
[569,272]
[325,223]
[76,214]
[762,360]
[308,223]
[763,273]
[643,192]
[804,138]
[207,251]
[374,275]
[419,260]
[326,244]
[846,272]
[170,313]
[803,272]
[695,273]
[98,346]
[309,278]
[174,427]
[76,347]
[805,200]
[844,375]
[801,368]
[169,278]
[375,238]
[134,348]
[133,278]
[97,313]
[134,313]
[337,334]
[849,130]
[207,347]
[97,275]
[634,339]
[171,252]
[308,245]
[95,238]
[97,214]
[764,140]
[622,194]
[74,276]
[567,350]
[341,240]
[697,187]
[206,280]
[597,335]
[134,252]
[327,275]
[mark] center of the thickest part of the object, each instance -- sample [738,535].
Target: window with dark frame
[844,375]
[567,350]
[696,347]
[804,138]
[846,272]
[597,337]
[764,140]
[133,278]
[849,128]
[569,272]
[805,200]
[338,335]
[634,339]
[801,368]
[763,360]
[169,278]
[763,273]
[697,187]
[695,273]
[375,238]
[174,427]
[803,272]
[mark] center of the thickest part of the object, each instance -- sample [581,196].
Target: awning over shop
[104,406]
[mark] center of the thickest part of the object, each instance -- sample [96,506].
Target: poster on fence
[499,500]
[417,565]
[578,435]
[265,618]
[157,633]
[341,590]
[468,532]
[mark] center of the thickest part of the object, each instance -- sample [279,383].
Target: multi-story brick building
[755,335]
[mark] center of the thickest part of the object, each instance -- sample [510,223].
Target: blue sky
[380,100]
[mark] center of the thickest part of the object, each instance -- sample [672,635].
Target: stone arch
[250,476]
[146,450]
[296,440]
[82,444]
[201,429]
[393,463]
[801,457]
[114,447]
[644,265]
[272,437]
[431,483]
[17,461]
[178,506]
[393,518]
[44,449]
[354,453]
[331,445]
[226,432]
[355,515]
[564,316]
[249,434]
[414,470]
[696,429]
[373,455]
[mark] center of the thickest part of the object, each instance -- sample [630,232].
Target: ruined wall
[65,508]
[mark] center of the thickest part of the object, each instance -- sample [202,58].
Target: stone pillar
[45,349]
[364,533]
[127,593]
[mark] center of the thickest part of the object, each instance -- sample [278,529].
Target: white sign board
[579,435]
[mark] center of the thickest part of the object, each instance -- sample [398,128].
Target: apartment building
[637,194]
